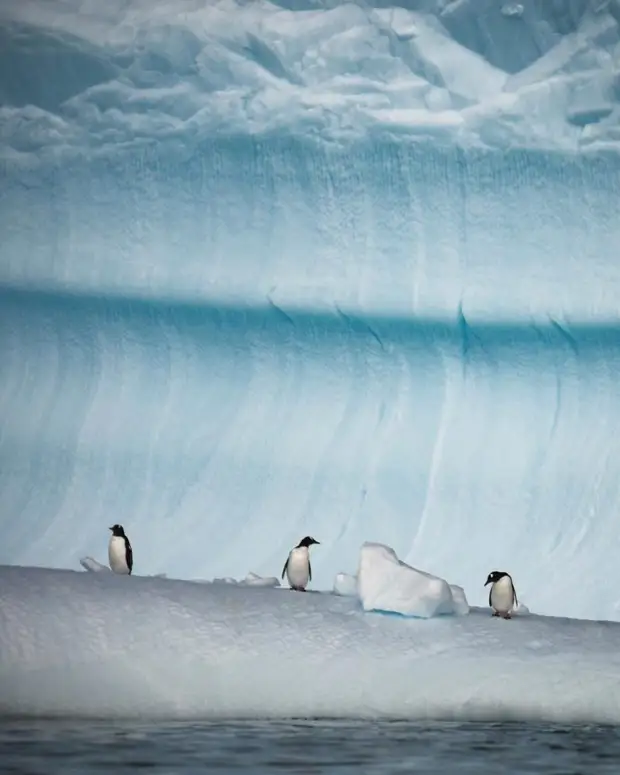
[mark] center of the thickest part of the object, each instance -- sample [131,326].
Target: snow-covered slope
[345,269]
[99,645]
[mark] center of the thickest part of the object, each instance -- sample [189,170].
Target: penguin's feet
[495,613]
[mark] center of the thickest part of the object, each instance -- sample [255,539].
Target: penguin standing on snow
[502,595]
[120,553]
[297,566]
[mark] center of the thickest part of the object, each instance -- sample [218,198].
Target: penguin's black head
[307,541]
[117,530]
[494,576]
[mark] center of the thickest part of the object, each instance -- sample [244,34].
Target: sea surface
[77,746]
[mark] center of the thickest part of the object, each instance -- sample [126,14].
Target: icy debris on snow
[251,580]
[93,566]
[345,585]
[254,580]
[385,583]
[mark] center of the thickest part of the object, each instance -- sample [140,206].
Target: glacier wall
[270,269]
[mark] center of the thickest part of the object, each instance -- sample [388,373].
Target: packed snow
[107,646]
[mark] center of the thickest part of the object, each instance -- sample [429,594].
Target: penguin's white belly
[298,568]
[502,595]
[117,556]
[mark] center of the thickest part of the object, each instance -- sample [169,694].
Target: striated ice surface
[270,269]
[105,646]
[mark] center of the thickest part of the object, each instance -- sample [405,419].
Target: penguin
[502,595]
[297,566]
[120,553]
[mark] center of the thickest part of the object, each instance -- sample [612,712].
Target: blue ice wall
[340,269]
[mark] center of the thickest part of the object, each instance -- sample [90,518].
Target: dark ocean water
[262,748]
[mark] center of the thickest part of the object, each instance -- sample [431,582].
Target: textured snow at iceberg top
[96,644]
[374,157]
[186,69]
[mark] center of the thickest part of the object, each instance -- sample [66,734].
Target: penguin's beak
[488,581]
[110,528]
[317,542]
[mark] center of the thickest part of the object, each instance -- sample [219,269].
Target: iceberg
[97,645]
[278,268]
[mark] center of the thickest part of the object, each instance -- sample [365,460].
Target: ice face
[269,270]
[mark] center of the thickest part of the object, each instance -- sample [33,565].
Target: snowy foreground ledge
[100,645]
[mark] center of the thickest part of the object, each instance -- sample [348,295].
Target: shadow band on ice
[101,645]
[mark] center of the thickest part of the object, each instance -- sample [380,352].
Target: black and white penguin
[297,566]
[120,553]
[502,595]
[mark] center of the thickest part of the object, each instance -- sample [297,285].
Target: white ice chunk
[385,583]
[461,606]
[345,585]
[254,580]
[251,580]
[93,566]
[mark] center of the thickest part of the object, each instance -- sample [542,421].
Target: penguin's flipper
[129,555]
[284,568]
[490,603]
[309,571]
[515,596]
